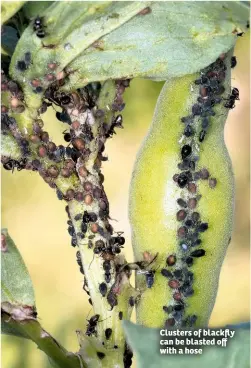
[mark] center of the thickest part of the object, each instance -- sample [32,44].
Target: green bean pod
[182,216]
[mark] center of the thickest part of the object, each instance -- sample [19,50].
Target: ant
[11,164]
[149,274]
[59,99]
[38,27]
[117,123]
[141,269]
[230,104]
[88,98]
[91,326]
[116,243]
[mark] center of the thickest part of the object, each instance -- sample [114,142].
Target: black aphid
[166,273]
[168,309]
[198,253]
[186,151]
[181,203]
[203,227]
[112,299]
[100,355]
[189,261]
[131,301]
[182,180]
[202,136]
[103,289]
[108,333]
[233,61]
[188,132]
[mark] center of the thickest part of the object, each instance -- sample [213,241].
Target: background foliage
[37,222]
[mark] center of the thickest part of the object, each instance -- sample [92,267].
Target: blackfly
[67,136]
[100,355]
[198,253]
[23,65]
[182,180]
[131,301]
[202,136]
[107,268]
[103,289]
[63,117]
[186,151]
[233,61]
[112,299]
[108,333]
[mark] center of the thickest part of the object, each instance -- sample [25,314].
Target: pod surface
[153,205]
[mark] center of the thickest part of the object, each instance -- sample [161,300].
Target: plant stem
[45,342]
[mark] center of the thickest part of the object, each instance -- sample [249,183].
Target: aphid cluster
[180,280]
[9,125]
[177,271]
[54,161]
[121,85]
[24,64]
[210,91]
[92,224]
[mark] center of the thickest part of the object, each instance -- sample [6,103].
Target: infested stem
[79,181]
[93,263]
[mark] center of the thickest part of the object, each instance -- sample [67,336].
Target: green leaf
[70,28]
[17,288]
[9,8]
[17,294]
[33,9]
[9,39]
[97,41]
[18,313]
[174,39]
[145,343]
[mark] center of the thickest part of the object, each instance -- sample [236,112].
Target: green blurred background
[36,221]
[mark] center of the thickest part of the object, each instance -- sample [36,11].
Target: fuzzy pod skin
[153,204]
